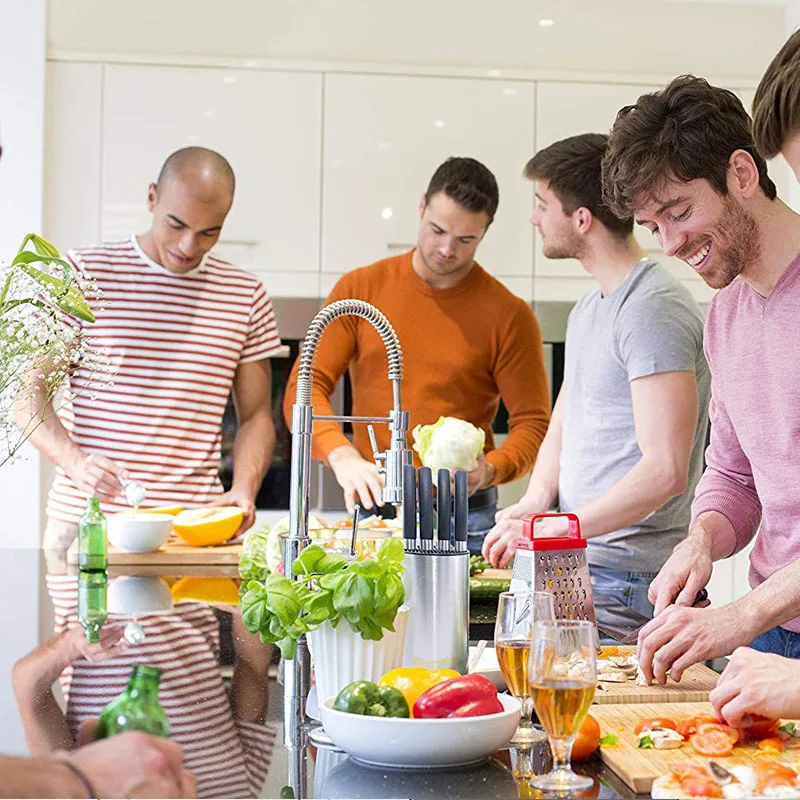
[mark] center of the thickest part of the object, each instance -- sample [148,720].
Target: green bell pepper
[367,699]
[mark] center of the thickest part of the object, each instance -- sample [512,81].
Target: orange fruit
[587,740]
[201,527]
[173,510]
[206,590]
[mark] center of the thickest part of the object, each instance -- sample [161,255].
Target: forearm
[43,721]
[250,674]
[773,602]
[519,452]
[542,491]
[48,435]
[252,452]
[27,777]
[644,488]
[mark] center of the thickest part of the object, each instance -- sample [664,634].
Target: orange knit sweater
[463,349]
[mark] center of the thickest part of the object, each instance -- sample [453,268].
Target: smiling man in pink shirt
[683,162]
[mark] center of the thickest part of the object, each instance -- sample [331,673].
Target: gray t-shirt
[648,325]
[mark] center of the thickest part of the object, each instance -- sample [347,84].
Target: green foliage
[329,588]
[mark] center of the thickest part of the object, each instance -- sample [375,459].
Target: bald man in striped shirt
[182,329]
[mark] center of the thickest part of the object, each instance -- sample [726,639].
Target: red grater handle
[573,539]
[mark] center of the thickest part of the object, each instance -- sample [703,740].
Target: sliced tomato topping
[684,770]
[701,787]
[772,773]
[762,726]
[654,722]
[772,744]
[712,743]
[689,726]
[734,733]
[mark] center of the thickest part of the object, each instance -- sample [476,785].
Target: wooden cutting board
[639,768]
[694,686]
[172,552]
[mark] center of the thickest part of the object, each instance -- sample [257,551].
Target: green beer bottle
[137,708]
[92,538]
[92,611]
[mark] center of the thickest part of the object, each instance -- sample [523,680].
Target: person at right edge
[683,161]
[624,449]
[754,682]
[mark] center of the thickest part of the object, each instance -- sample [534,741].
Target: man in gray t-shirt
[624,450]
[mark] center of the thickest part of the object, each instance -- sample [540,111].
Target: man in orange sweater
[467,342]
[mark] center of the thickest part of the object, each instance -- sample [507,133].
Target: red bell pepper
[465,696]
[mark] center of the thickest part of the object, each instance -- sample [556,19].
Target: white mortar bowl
[139,532]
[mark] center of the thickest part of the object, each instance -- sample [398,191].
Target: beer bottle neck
[144,683]
[93,504]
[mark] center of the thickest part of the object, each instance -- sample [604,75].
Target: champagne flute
[517,615]
[563,675]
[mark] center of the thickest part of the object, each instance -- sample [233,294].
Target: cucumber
[487,588]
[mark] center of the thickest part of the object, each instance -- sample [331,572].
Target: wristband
[81,776]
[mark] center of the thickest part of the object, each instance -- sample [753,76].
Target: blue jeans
[616,591]
[479,522]
[778,641]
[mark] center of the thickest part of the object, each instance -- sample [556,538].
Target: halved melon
[223,591]
[201,527]
[172,510]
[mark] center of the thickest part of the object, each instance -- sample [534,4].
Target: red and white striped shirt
[229,757]
[174,342]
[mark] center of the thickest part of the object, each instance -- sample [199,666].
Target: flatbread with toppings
[767,779]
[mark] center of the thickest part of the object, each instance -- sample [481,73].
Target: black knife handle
[701,596]
[461,509]
[425,505]
[409,501]
[443,503]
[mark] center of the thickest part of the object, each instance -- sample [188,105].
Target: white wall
[643,36]
[22,65]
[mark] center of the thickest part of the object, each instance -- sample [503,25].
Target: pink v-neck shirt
[752,345]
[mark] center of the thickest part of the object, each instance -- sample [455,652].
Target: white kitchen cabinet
[567,109]
[73,144]
[267,124]
[385,136]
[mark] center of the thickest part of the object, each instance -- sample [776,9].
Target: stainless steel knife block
[436,572]
[437,594]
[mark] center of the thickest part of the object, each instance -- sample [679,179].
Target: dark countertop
[326,772]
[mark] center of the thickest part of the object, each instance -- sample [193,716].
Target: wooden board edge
[623,700]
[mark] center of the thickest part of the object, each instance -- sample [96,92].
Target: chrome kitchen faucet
[297,671]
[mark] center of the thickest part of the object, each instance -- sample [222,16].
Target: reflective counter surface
[220,689]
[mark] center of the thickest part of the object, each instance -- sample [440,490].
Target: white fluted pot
[341,656]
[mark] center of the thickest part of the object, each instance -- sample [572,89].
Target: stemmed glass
[518,613]
[563,675]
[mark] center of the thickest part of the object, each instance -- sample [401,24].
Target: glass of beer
[517,615]
[562,674]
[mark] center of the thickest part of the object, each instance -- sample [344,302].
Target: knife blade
[629,634]
[426,508]
[443,503]
[409,506]
[460,512]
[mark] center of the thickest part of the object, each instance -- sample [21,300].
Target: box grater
[555,564]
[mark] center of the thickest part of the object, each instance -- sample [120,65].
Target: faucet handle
[376,454]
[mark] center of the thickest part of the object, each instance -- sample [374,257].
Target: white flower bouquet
[42,305]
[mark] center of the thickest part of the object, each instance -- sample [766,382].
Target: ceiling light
[386,213]
[546,23]
[439,123]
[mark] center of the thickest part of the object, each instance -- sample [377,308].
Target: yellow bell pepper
[414,681]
